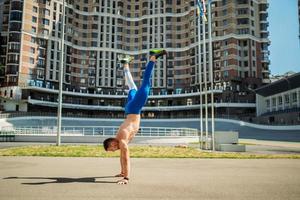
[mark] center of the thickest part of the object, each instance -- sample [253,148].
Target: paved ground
[271,147]
[44,178]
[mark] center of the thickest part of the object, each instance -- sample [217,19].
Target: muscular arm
[121,163]
[124,158]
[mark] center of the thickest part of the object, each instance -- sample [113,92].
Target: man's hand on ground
[122,182]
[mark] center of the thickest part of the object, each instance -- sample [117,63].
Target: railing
[119,116]
[99,131]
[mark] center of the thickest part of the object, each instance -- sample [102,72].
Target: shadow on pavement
[64,180]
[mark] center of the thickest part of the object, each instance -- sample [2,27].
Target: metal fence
[98,131]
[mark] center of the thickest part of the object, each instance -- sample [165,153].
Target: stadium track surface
[45,178]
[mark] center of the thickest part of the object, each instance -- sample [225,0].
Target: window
[273,102]
[225,65]
[33,29]
[45,31]
[34,9]
[242,21]
[280,100]
[47,12]
[94,35]
[287,99]
[32,50]
[45,21]
[225,73]
[294,97]
[94,44]
[34,19]
[268,102]
[31,60]
[243,31]
[242,11]
[225,53]
[33,40]
[242,1]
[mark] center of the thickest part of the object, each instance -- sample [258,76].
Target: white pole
[211,78]
[61,75]
[200,82]
[205,84]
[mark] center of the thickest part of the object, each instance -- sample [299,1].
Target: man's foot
[125,59]
[158,53]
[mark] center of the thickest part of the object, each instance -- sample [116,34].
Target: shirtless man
[136,100]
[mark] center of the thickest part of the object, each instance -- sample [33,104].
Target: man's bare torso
[129,127]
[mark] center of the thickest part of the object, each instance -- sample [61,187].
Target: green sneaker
[125,59]
[158,53]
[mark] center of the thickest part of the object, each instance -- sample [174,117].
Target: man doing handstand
[136,100]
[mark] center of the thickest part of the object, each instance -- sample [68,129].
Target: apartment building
[96,31]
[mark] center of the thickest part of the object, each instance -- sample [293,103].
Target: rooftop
[282,85]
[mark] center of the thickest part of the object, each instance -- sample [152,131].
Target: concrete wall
[51,121]
[99,139]
[282,118]
[10,97]
[11,105]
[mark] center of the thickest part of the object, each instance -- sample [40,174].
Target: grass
[135,152]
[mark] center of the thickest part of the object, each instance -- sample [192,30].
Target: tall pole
[205,84]
[200,81]
[211,78]
[61,75]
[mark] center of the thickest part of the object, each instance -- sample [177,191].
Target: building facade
[96,31]
[279,102]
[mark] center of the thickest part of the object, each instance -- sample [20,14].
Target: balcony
[146,108]
[265,60]
[44,87]
[16,5]
[266,71]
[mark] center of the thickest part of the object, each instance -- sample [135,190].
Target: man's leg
[128,78]
[125,60]
[129,81]
[141,95]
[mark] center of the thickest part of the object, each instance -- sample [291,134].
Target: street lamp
[61,75]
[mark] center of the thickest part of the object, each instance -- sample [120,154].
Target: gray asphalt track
[44,178]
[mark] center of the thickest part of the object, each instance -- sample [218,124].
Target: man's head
[111,144]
